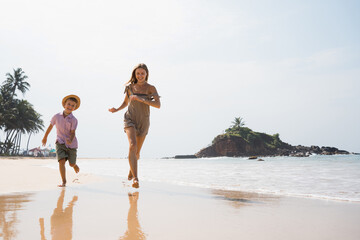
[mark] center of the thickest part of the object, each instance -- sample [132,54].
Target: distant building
[38,152]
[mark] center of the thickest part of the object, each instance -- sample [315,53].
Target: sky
[287,67]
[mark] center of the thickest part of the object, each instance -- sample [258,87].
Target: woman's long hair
[133,79]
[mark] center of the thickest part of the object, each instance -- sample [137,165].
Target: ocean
[335,177]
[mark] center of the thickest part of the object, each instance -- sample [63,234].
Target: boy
[66,142]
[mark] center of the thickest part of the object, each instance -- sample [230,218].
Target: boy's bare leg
[62,172]
[75,166]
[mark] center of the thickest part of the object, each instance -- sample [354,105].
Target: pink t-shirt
[63,128]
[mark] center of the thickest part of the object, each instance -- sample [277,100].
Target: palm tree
[11,124]
[4,102]
[17,82]
[17,117]
[33,123]
[7,106]
[24,120]
[238,122]
[1,112]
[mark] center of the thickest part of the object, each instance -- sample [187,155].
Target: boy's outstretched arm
[44,140]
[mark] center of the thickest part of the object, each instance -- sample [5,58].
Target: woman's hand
[136,98]
[113,110]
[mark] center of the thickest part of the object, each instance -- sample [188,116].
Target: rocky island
[240,141]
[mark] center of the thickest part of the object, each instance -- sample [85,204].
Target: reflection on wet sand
[42,229]
[238,199]
[134,231]
[61,219]
[9,206]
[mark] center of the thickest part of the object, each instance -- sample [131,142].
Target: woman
[140,95]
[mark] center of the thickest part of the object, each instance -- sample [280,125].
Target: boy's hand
[44,140]
[68,141]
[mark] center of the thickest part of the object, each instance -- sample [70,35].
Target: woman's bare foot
[135,183]
[62,185]
[76,168]
[130,176]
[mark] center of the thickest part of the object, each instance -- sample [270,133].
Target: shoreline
[111,209]
[189,156]
[98,207]
[24,157]
[46,171]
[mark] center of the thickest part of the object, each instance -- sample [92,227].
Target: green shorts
[64,152]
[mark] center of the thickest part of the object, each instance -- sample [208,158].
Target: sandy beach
[29,174]
[96,207]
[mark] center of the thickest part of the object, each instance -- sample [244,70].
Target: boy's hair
[72,99]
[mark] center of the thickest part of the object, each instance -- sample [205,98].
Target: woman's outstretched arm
[122,106]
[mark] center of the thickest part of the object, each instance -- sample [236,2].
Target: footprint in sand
[125,184]
[76,180]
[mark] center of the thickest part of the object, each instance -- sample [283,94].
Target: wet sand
[109,208]
[29,174]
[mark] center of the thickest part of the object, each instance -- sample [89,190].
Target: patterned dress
[138,113]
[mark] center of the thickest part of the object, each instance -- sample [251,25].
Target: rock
[329,149]
[315,149]
[232,145]
[326,153]
[341,152]
[300,154]
[260,160]
[184,156]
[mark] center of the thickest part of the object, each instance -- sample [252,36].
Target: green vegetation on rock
[251,137]
[241,141]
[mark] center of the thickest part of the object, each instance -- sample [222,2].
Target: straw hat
[71,96]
